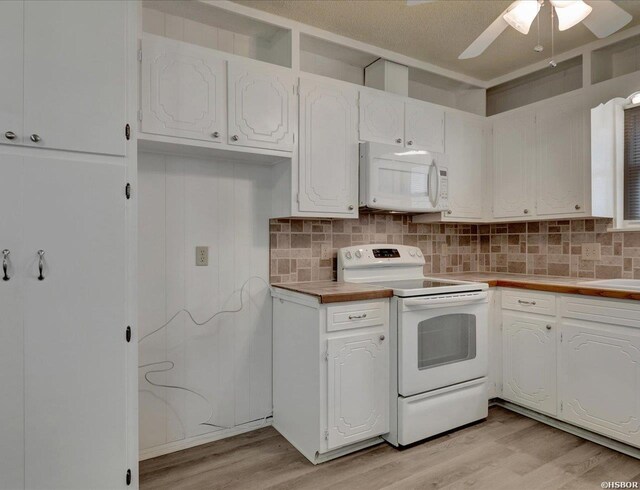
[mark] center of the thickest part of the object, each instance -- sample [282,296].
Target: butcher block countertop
[552,284]
[337,292]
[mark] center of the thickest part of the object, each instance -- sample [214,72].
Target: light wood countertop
[337,292]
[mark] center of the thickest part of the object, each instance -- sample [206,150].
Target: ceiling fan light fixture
[522,14]
[570,12]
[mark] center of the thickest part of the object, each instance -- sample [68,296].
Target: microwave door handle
[434,196]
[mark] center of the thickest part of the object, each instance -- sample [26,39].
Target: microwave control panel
[444,184]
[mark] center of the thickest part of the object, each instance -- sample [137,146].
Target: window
[631,173]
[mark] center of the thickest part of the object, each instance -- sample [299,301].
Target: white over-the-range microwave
[399,179]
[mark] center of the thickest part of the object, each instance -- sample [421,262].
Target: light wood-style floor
[508,451]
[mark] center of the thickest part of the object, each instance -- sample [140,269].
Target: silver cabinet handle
[234,137]
[357,317]
[578,207]
[351,207]
[526,211]
[382,338]
[10,135]
[409,142]
[5,264]
[449,212]
[399,140]
[35,138]
[527,303]
[40,264]
[215,134]
[548,327]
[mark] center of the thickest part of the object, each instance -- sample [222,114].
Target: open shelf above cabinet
[539,85]
[437,89]
[615,60]
[208,26]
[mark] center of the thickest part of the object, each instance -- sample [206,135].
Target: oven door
[442,340]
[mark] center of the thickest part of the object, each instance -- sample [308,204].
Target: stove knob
[412,253]
[348,255]
[358,254]
[419,253]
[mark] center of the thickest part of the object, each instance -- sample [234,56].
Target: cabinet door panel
[182,90]
[74,324]
[328,156]
[600,378]
[11,333]
[466,157]
[424,127]
[75,75]
[358,384]
[381,118]
[561,158]
[11,59]
[529,356]
[513,159]
[261,107]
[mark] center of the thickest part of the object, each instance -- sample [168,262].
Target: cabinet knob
[234,137]
[399,140]
[526,211]
[35,138]
[215,134]
[382,337]
[351,207]
[578,206]
[10,135]
[449,212]
[548,327]
[409,142]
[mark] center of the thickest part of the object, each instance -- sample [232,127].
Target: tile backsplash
[543,248]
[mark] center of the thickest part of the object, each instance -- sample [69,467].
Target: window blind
[632,164]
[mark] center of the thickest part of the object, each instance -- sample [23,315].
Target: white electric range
[439,341]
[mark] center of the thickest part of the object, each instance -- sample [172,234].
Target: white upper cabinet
[600,378]
[358,388]
[261,107]
[183,90]
[424,127]
[381,118]
[466,161]
[11,83]
[529,361]
[513,161]
[328,148]
[561,149]
[74,75]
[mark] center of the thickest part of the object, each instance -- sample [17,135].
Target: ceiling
[439,31]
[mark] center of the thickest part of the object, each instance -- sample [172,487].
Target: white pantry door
[11,81]
[183,90]
[74,324]
[75,75]
[358,384]
[11,337]
[328,156]
[261,107]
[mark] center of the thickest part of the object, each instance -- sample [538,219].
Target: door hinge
[128,477]
[127,132]
[140,115]
[127,190]
[560,336]
[326,435]
[139,55]
[298,197]
[325,356]
[561,406]
[127,334]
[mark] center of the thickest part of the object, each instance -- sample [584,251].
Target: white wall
[185,202]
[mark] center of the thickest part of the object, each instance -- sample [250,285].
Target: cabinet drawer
[543,304]
[357,315]
[605,311]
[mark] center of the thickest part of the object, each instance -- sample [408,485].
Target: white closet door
[11,82]
[75,75]
[381,118]
[74,324]
[183,90]
[11,337]
[261,107]
[328,155]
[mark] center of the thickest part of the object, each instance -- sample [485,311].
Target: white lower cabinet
[529,357]
[330,379]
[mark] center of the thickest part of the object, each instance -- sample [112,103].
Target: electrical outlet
[590,251]
[202,256]
[325,251]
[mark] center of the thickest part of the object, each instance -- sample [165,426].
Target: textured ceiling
[439,31]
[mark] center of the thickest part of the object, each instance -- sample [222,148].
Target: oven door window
[446,339]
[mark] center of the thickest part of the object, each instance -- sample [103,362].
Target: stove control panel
[379,255]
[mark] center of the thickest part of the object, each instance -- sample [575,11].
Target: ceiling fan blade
[484,40]
[411,3]
[606,18]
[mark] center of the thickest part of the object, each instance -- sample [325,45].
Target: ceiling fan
[603,18]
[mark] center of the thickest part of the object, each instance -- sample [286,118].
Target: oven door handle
[438,302]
